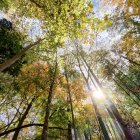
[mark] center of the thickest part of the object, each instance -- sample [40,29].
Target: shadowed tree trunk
[131,61]
[98,116]
[100,120]
[69,131]
[117,126]
[112,106]
[21,121]
[44,135]
[86,135]
[71,105]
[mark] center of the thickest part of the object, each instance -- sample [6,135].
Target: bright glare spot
[98,94]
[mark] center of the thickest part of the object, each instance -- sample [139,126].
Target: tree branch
[131,61]
[29,125]
[38,5]
[12,60]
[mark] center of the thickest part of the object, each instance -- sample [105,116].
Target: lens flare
[98,94]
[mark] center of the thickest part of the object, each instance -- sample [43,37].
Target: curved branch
[131,61]
[28,125]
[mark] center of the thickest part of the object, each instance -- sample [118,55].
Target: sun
[98,94]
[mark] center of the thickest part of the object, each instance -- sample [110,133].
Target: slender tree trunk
[112,106]
[86,135]
[110,132]
[46,119]
[128,88]
[128,94]
[117,126]
[131,61]
[15,58]
[71,105]
[100,120]
[114,131]
[98,116]
[21,121]
[122,123]
[69,131]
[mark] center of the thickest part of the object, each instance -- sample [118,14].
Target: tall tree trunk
[110,132]
[112,106]
[127,93]
[114,131]
[12,60]
[100,120]
[129,89]
[117,126]
[69,131]
[121,122]
[98,116]
[86,135]
[71,105]
[46,120]
[21,121]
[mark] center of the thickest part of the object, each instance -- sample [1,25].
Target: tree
[68,83]
[46,120]
[11,44]
[61,25]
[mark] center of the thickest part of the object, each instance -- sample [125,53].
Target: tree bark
[86,135]
[131,61]
[21,121]
[117,126]
[69,131]
[46,120]
[100,120]
[71,105]
[128,94]
[12,60]
[98,116]
[113,107]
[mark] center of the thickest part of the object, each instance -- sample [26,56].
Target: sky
[104,38]
[2,15]
[101,9]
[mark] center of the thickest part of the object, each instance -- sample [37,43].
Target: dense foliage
[60,75]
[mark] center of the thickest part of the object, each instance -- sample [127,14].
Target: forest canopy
[69,70]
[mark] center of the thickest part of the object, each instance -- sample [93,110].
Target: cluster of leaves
[5,4]
[11,43]
[34,77]
[34,80]
[60,20]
